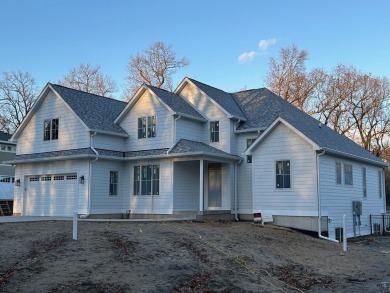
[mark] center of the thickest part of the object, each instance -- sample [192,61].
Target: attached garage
[51,195]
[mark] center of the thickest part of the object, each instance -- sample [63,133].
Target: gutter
[89,177]
[319,199]
[334,152]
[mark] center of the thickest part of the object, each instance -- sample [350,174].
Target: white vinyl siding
[148,106]
[72,133]
[301,198]
[336,199]
[186,186]
[212,112]
[102,202]
[190,129]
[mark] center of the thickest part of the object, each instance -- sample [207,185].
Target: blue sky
[221,38]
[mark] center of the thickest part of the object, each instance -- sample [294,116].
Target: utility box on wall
[357,208]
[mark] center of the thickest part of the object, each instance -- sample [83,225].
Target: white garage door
[51,195]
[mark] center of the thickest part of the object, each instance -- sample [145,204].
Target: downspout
[319,199]
[89,176]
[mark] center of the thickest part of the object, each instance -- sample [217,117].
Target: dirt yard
[185,257]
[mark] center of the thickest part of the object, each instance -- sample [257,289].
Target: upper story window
[338,172]
[147,127]
[348,176]
[364,179]
[283,174]
[50,129]
[214,131]
[380,183]
[249,142]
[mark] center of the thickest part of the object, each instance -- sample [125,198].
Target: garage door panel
[51,195]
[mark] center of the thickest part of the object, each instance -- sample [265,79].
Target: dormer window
[50,129]
[147,127]
[214,131]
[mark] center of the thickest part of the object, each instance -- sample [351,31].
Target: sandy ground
[185,257]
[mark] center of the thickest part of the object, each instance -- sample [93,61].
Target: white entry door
[50,195]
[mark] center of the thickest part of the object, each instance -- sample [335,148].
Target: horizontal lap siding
[158,204]
[244,176]
[190,129]
[71,135]
[101,201]
[81,167]
[148,105]
[186,186]
[109,142]
[212,112]
[301,199]
[336,199]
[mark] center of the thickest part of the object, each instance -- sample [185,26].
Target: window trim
[364,181]
[214,133]
[113,186]
[345,174]
[138,181]
[147,126]
[53,133]
[289,174]
[338,163]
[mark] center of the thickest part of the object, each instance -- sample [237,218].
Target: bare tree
[155,67]
[18,92]
[288,78]
[90,79]
[357,105]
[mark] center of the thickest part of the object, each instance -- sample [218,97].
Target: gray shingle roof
[262,107]
[144,153]
[63,153]
[226,100]
[97,112]
[185,146]
[175,102]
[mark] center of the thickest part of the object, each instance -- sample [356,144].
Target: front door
[214,183]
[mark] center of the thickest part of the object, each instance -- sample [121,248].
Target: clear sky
[228,42]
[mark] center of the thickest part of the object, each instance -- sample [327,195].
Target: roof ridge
[84,92]
[207,85]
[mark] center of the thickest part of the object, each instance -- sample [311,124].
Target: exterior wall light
[82,179]
[17,182]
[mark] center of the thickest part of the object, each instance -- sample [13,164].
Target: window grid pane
[46,130]
[364,175]
[283,176]
[137,180]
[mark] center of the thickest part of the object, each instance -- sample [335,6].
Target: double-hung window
[146,180]
[338,172]
[283,174]
[113,183]
[147,127]
[380,183]
[214,131]
[348,175]
[364,179]
[50,129]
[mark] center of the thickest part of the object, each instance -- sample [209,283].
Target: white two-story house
[195,151]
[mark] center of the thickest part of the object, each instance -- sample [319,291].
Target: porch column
[201,186]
